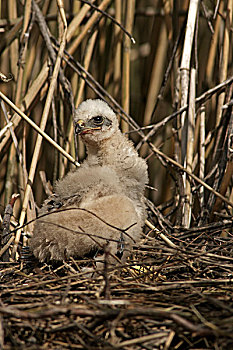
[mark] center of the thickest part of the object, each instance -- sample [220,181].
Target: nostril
[79,126]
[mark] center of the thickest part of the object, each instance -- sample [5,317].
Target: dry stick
[142,339]
[190,148]
[125,84]
[38,129]
[172,161]
[166,240]
[42,126]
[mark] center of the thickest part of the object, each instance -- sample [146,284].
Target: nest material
[163,298]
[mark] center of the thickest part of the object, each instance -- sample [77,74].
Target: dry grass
[176,83]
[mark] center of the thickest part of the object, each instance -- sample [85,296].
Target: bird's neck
[108,151]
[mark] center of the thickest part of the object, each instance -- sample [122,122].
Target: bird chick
[101,201]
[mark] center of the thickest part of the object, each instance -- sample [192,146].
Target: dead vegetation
[176,83]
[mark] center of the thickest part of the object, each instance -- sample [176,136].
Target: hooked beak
[82,129]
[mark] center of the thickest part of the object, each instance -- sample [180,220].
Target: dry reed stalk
[224,184]
[80,90]
[14,47]
[10,36]
[213,47]
[76,21]
[38,129]
[27,101]
[117,58]
[12,162]
[156,73]
[227,177]
[24,45]
[86,64]
[224,58]
[176,164]
[35,51]
[175,88]
[190,148]
[184,87]
[125,84]
[10,172]
[185,71]
[87,27]
[202,155]
[43,122]
[11,166]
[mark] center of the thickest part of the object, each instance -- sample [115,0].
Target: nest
[163,298]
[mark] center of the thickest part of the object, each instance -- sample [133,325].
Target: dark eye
[98,120]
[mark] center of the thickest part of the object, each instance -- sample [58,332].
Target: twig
[166,240]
